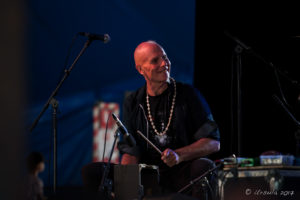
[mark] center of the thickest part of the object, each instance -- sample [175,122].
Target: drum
[136,181]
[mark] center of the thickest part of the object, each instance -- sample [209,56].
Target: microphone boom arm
[54,93]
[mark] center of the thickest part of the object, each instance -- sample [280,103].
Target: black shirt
[160,107]
[191,121]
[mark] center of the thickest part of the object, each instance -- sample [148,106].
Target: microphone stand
[238,50]
[105,187]
[54,104]
[203,176]
[240,47]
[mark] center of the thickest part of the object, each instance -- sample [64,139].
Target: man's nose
[163,62]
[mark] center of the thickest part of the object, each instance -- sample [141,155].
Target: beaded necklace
[171,112]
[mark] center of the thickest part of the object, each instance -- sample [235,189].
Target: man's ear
[139,68]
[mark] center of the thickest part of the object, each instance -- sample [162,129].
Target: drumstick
[141,134]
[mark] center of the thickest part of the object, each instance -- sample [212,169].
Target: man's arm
[200,148]
[129,159]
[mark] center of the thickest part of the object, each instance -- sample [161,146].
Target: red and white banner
[101,112]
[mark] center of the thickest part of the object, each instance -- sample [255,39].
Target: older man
[174,117]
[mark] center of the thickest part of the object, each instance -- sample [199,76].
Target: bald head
[142,50]
[152,63]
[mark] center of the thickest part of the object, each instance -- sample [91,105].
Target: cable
[221,193]
[105,134]
[279,85]
[146,122]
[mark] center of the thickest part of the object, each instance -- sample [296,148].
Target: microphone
[123,130]
[105,38]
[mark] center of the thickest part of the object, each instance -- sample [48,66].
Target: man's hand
[129,159]
[170,157]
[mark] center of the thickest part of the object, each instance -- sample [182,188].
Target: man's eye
[154,61]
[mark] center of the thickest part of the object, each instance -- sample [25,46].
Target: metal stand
[54,104]
[238,52]
[240,47]
[105,187]
[203,178]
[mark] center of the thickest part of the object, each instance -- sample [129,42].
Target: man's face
[155,65]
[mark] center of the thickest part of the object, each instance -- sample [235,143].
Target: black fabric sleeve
[208,130]
[201,116]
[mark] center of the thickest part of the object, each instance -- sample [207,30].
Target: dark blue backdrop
[104,72]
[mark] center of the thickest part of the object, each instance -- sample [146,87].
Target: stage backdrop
[103,73]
